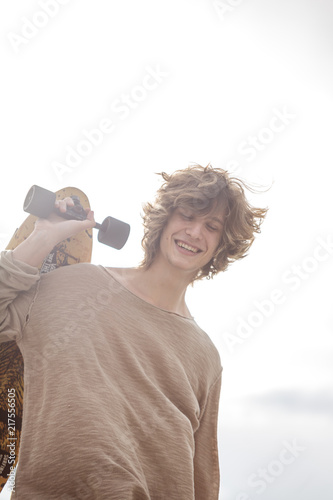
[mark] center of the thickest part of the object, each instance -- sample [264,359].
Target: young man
[121,385]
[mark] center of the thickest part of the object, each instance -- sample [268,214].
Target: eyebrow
[216,219]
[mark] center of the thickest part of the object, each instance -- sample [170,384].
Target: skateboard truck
[40,202]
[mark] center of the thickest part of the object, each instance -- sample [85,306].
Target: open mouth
[187,247]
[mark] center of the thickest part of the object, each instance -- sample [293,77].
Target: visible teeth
[187,247]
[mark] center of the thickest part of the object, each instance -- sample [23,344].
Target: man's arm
[19,268]
[206,461]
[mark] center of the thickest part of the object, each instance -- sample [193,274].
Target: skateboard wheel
[39,202]
[114,233]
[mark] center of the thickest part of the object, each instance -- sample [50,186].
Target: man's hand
[48,232]
[58,228]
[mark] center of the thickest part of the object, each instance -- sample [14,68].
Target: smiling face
[189,241]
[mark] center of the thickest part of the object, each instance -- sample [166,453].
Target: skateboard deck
[70,251]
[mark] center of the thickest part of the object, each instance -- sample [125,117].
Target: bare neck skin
[161,285]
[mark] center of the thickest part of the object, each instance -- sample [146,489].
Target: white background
[227,67]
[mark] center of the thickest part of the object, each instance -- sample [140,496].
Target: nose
[194,229]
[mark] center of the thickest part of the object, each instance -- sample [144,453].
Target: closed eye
[187,217]
[211,228]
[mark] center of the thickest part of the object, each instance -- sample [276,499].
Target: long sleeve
[206,461]
[16,280]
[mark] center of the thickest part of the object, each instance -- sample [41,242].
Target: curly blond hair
[202,189]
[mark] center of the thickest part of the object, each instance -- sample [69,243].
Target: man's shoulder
[85,272]
[74,271]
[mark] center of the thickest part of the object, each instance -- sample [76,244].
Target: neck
[163,287]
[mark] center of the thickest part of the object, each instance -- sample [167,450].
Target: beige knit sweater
[120,397]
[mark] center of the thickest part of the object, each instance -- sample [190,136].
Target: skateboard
[39,202]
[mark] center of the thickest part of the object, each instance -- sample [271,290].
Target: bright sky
[247,86]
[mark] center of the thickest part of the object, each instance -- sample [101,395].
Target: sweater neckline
[108,269]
